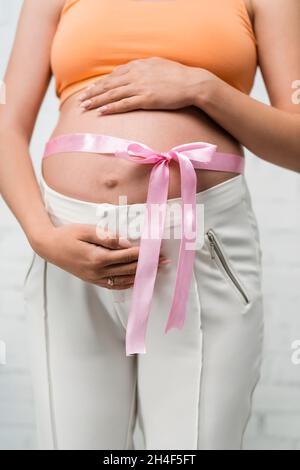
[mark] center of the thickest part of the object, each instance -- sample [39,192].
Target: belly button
[111,183]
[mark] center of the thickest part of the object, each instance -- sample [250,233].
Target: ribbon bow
[150,247]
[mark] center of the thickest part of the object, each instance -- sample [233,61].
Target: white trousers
[193,387]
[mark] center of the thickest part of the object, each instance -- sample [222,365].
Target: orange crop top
[94,36]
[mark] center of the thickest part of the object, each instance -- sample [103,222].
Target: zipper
[216,250]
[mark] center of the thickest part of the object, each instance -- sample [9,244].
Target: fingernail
[124,243]
[102,109]
[82,97]
[86,104]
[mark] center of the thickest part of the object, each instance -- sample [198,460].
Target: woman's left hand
[153,83]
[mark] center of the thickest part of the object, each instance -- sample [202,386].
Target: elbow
[12,124]
[12,130]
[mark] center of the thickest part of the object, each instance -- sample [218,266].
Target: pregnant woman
[153,328]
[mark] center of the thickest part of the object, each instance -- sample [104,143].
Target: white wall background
[276,198]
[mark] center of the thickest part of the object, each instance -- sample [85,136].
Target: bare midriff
[104,178]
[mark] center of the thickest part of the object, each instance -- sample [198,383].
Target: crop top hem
[76,87]
[230,50]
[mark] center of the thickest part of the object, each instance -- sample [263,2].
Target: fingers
[111,241]
[121,282]
[121,270]
[114,79]
[125,256]
[123,106]
[117,100]
[105,92]
[127,269]
[101,237]
[101,86]
[121,273]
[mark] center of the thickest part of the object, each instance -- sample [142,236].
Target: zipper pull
[211,245]
[212,250]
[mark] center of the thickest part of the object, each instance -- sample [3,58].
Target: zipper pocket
[217,250]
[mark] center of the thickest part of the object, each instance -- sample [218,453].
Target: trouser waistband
[72,210]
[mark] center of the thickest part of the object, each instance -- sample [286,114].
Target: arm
[271,132]
[76,248]
[25,89]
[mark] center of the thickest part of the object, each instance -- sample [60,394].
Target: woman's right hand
[90,254]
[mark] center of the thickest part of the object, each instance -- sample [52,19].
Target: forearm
[270,133]
[19,186]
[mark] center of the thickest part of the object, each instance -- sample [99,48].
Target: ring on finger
[110,281]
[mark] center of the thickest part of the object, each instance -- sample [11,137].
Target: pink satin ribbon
[196,155]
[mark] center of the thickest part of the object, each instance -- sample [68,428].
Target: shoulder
[273,6]
[49,6]
[273,16]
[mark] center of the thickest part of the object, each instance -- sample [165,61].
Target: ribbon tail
[148,259]
[185,264]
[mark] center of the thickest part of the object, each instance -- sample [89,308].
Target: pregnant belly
[104,178]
